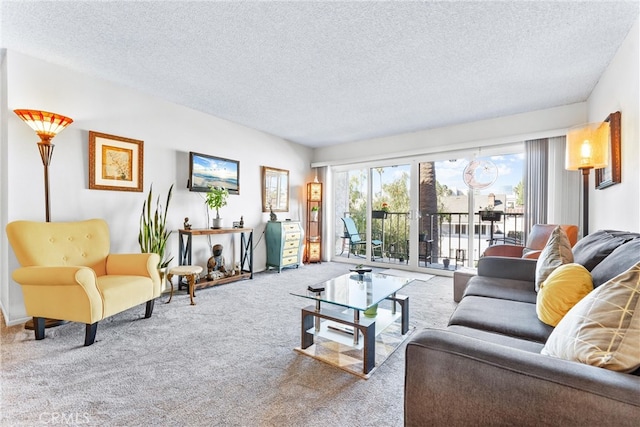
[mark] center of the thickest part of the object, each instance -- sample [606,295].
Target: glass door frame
[414,212]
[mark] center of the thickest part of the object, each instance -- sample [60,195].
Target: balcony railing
[444,236]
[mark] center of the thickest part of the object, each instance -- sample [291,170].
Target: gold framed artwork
[612,174]
[115,162]
[275,189]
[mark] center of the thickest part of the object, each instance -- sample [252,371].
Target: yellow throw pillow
[556,252]
[603,329]
[564,287]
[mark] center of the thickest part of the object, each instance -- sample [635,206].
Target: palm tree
[428,204]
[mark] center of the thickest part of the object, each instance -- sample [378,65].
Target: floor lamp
[587,148]
[47,125]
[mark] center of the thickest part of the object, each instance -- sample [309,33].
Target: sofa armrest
[55,276]
[508,268]
[452,379]
[65,293]
[145,265]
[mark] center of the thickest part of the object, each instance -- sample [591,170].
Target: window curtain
[565,193]
[535,183]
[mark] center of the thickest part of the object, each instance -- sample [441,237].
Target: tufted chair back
[58,244]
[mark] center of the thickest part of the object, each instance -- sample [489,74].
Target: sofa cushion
[515,290]
[512,318]
[604,328]
[620,260]
[564,287]
[592,249]
[500,339]
[556,253]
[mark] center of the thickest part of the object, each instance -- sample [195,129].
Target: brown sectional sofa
[485,368]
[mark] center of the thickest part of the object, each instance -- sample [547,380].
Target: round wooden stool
[191,272]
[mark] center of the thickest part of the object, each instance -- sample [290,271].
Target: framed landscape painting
[115,162]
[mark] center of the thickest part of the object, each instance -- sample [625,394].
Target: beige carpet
[227,361]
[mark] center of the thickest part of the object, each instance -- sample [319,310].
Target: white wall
[618,206]
[169,132]
[503,130]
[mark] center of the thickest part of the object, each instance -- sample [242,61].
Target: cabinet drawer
[291,227]
[289,244]
[290,252]
[290,260]
[292,236]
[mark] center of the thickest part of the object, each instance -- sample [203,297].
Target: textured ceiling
[322,73]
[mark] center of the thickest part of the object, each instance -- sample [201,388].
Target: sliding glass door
[428,213]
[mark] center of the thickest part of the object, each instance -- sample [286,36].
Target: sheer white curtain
[535,182]
[565,192]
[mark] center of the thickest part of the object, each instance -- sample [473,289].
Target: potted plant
[216,199]
[314,214]
[381,213]
[153,234]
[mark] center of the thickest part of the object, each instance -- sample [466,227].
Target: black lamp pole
[585,200]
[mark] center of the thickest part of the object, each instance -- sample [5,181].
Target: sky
[450,173]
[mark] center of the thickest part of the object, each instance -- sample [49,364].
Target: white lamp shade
[588,146]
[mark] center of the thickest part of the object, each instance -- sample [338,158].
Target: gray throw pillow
[592,249]
[622,258]
[556,252]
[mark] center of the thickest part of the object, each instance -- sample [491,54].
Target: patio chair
[355,240]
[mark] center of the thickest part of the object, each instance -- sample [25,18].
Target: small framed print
[612,174]
[115,163]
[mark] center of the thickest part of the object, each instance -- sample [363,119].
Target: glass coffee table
[339,302]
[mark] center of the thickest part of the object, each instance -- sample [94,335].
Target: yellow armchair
[67,273]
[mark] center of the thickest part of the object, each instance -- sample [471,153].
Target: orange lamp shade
[46,124]
[587,146]
[314,191]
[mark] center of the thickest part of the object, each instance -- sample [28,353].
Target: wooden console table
[246,252]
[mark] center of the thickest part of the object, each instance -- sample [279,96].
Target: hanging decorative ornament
[480,174]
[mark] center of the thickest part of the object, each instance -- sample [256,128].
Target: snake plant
[153,234]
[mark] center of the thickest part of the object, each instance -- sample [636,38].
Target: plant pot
[378,214]
[490,215]
[446,262]
[371,311]
[216,223]
[314,216]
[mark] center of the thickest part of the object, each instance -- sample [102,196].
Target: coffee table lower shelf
[336,345]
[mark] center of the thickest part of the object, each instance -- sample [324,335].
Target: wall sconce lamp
[47,126]
[587,148]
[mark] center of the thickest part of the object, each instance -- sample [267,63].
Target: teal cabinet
[284,244]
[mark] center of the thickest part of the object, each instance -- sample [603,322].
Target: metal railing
[444,236]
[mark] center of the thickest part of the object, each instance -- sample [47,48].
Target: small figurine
[241,222]
[187,226]
[272,215]
[216,262]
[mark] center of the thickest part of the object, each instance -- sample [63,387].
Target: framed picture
[115,163]
[612,174]
[208,171]
[275,189]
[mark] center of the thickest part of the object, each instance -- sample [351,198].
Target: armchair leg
[149,309]
[38,327]
[90,333]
